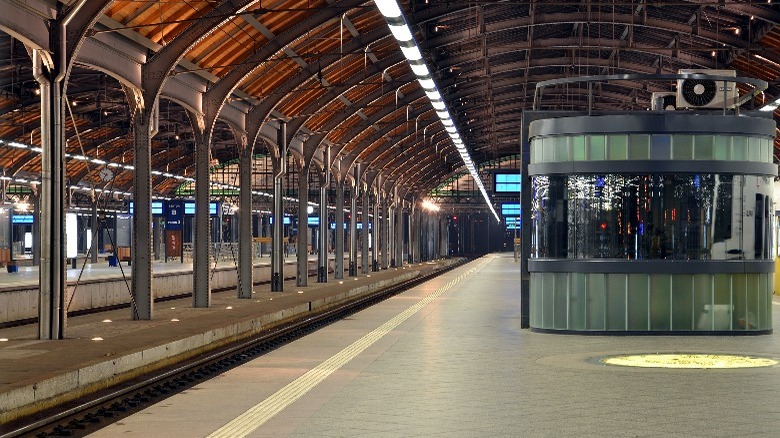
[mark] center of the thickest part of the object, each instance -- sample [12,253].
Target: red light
[603,226]
[454,218]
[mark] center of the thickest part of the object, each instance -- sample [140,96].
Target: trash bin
[12,267]
[112,261]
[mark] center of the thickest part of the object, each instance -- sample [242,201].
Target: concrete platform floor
[448,359]
[32,370]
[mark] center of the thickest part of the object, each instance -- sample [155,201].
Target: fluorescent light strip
[18,145]
[400,30]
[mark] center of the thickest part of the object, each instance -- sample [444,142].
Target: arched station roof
[333,71]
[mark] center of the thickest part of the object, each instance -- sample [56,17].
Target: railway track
[93,412]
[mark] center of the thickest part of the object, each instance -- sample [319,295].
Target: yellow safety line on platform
[259,414]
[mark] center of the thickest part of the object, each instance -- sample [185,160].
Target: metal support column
[322,251]
[302,273]
[383,243]
[375,234]
[444,237]
[201,259]
[353,228]
[399,234]
[245,256]
[95,241]
[364,234]
[525,222]
[391,234]
[339,244]
[52,314]
[277,247]
[412,233]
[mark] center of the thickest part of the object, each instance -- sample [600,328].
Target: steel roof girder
[216,96]
[349,159]
[26,23]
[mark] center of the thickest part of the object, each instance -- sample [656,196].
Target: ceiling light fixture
[400,30]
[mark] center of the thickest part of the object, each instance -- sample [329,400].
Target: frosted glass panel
[638,147]
[561,285]
[578,148]
[617,146]
[597,301]
[577,301]
[616,301]
[703,147]
[637,302]
[596,146]
[660,302]
[682,302]
[682,147]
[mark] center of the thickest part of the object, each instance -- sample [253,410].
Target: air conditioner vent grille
[699,92]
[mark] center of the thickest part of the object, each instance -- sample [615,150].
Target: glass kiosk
[651,221]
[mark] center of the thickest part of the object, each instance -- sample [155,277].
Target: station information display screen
[507,183]
[508,210]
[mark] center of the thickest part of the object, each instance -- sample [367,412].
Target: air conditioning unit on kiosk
[706,93]
[663,101]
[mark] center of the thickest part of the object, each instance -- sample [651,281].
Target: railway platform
[447,358]
[107,347]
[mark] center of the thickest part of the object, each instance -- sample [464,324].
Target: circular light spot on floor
[107,320]
[688,361]
[175,320]
[173,308]
[341,282]
[229,308]
[3,339]
[300,291]
[97,339]
[369,276]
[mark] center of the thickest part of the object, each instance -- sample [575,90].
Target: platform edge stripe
[262,412]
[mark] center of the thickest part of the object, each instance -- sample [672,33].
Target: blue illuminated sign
[507,182]
[157,208]
[286,220]
[174,213]
[189,208]
[510,210]
[22,219]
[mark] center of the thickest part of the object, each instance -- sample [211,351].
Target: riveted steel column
[95,241]
[383,236]
[339,246]
[375,235]
[444,237]
[201,254]
[52,314]
[277,247]
[245,271]
[364,234]
[399,234]
[353,229]
[302,273]
[322,251]
[411,228]
[391,234]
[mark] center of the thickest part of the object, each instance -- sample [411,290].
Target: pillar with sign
[174,216]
